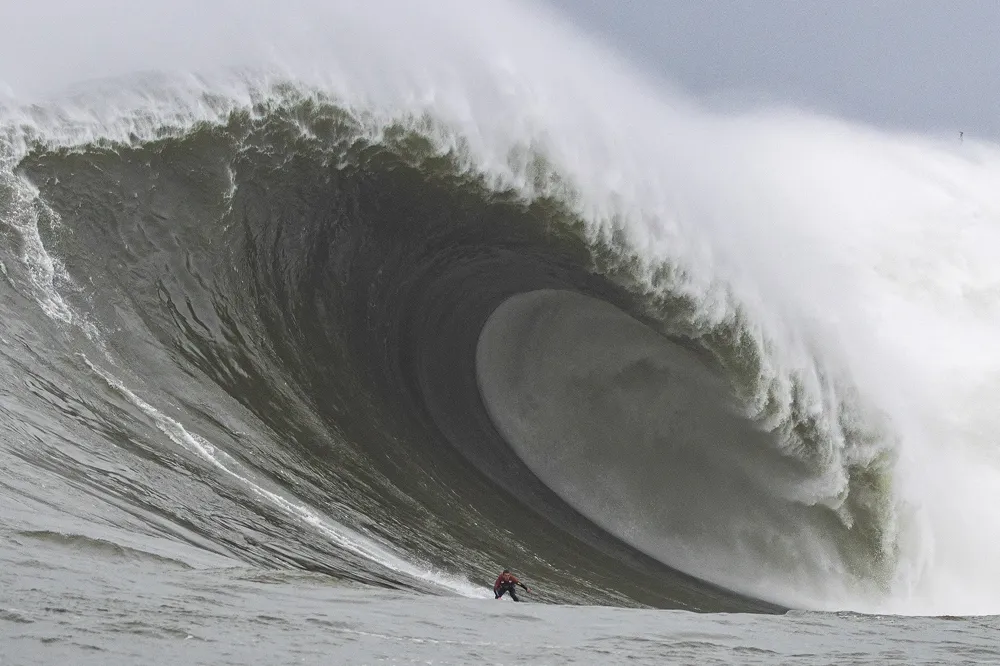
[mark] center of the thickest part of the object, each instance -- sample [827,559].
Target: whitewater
[314,316]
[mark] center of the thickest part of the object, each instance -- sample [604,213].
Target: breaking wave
[408,328]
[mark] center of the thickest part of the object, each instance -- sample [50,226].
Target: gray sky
[927,65]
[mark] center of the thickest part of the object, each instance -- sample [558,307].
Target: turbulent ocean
[307,335]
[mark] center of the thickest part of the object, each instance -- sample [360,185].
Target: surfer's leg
[513,595]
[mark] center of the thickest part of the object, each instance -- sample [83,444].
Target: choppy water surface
[104,605]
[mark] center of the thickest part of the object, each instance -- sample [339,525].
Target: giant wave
[425,315]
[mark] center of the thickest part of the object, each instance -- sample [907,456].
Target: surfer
[506,582]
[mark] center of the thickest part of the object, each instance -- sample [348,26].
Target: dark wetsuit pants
[507,587]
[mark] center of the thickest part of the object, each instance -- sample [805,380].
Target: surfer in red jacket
[506,583]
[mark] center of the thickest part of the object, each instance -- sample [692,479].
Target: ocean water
[315,316]
[121,607]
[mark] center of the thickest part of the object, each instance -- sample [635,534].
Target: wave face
[422,316]
[313,300]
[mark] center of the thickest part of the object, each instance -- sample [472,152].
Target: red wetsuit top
[505,579]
